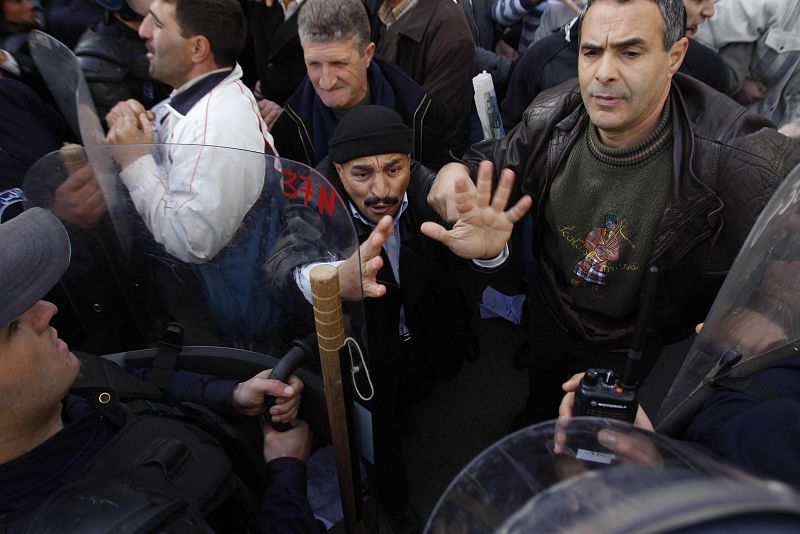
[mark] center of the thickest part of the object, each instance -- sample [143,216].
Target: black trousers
[555,355]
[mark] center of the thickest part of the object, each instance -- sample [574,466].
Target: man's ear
[676,55]
[369,52]
[339,170]
[200,49]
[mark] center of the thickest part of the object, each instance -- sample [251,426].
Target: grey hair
[673,13]
[324,21]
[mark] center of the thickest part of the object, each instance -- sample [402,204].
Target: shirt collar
[188,94]
[389,15]
[357,214]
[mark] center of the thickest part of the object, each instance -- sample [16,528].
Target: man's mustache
[608,92]
[386,201]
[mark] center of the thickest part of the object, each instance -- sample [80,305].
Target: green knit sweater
[602,211]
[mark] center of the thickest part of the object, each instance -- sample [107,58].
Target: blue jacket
[29,129]
[758,434]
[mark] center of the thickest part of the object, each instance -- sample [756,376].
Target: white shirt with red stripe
[195,198]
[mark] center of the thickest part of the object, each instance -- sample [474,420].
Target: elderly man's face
[168,51]
[376,184]
[338,71]
[697,11]
[35,365]
[624,70]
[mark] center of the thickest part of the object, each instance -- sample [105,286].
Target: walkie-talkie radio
[601,392]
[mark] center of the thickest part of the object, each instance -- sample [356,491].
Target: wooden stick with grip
[327,301]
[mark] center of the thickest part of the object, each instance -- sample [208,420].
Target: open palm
[484,225]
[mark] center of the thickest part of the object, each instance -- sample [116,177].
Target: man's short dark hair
[325,21]
[673,13]
[220,21]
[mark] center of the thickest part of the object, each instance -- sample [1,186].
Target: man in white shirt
[195,199]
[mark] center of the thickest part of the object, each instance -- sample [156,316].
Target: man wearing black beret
[418,320]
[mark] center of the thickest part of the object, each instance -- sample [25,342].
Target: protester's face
[19,13]
[34,362]
[623,69]
[697,11]
[338,71]
[376,184]
[168,51]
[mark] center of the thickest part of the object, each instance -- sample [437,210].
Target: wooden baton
[327,301]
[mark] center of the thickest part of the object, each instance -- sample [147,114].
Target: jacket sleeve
[754,433]
[449,60]
[496,65]
[749,175]
[301,242]
[523,85]
[186,386]
[285,508]
[509,12]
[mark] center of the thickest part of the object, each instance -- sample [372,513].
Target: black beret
[369,131]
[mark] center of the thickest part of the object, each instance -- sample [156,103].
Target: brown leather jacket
[727,163]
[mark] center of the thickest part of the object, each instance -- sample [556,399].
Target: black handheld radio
[601,392]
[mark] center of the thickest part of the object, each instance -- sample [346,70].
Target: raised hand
[360,270]
[484,225]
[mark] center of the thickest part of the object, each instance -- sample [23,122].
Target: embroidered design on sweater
[602,245]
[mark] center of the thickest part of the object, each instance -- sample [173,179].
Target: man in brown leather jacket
[681,170]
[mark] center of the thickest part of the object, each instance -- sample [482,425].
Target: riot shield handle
[301,352]
[169,348]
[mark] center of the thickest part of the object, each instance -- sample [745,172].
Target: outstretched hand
[484,225]
[361,269]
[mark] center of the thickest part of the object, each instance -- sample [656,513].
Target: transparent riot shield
[221,243]
[598,475]
[755,319]
[219,237]
[62,72]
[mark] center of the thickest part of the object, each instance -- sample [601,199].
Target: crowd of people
[639,133]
